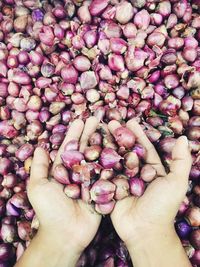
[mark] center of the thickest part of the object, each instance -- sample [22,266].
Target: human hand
[151,215]
[63,221]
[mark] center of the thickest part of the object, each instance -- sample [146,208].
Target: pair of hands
[74,222]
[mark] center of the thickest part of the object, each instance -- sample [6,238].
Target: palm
[158,205]
[162,198]
[54,210]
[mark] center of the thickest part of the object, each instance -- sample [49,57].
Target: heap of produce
[67,59]
[107,174]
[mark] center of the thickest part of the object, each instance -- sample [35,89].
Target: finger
[90,127]
[88,208]
[181,161]
[74,133]
[152,156]
[104,129]
[113,125]
[39,167]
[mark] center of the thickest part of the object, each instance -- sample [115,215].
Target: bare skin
[66,226]
[145,224]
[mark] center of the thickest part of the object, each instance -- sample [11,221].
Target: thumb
[181,161]
[40,167]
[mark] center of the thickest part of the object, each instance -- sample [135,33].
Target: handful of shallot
[109,169]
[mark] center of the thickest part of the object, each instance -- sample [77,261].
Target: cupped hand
[156,209]
[70,221]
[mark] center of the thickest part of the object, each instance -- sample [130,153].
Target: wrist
[150,234]
[158,247]
[62,247]
[46,250]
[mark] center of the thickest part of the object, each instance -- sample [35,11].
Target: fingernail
[184,138]
[44,146]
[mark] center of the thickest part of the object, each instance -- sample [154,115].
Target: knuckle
[129,123]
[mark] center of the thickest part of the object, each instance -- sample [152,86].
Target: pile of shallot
[106,171]
[112,59]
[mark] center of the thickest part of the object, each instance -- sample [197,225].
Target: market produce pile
[62,60]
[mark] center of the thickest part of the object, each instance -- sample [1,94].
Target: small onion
[24,152]
[97,7]
[106,208]
[124,137]
[6,253]
[197,200]
[5,166]
[131,160]
[102,191]
[124,12]
[107,174]
[2,207]
[147,173]
[183,229]
[195,238]
[109,158]
[72,191]
[196,258]
[69,74]
[122,188]
[71,146]
[82,63]
[193,216]
[166,145]
[61,174]
[116,62]
[9,180]
[95,139]
[24,230]
[92,153]
[137,187]
[142,19]
[71,158]
[88,80]
[8,233]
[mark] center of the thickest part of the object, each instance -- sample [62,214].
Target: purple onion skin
[5,166]
[140,151]
[183,229]
[24,230]
[193,216]
[124,137]
[72,191]
[6,253]
[109,158]
[8,233]
[9,220]
[71,158]
[102,191]
[121,263]
[61,174]
[24,152]
[12,210]
[2,207]
[106,253]
[122,188]
[196,258]
[137,187]
[83,260]
[92,255]
[106,208]
[195,238]
[71,146]
[197,200]
[123,60]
